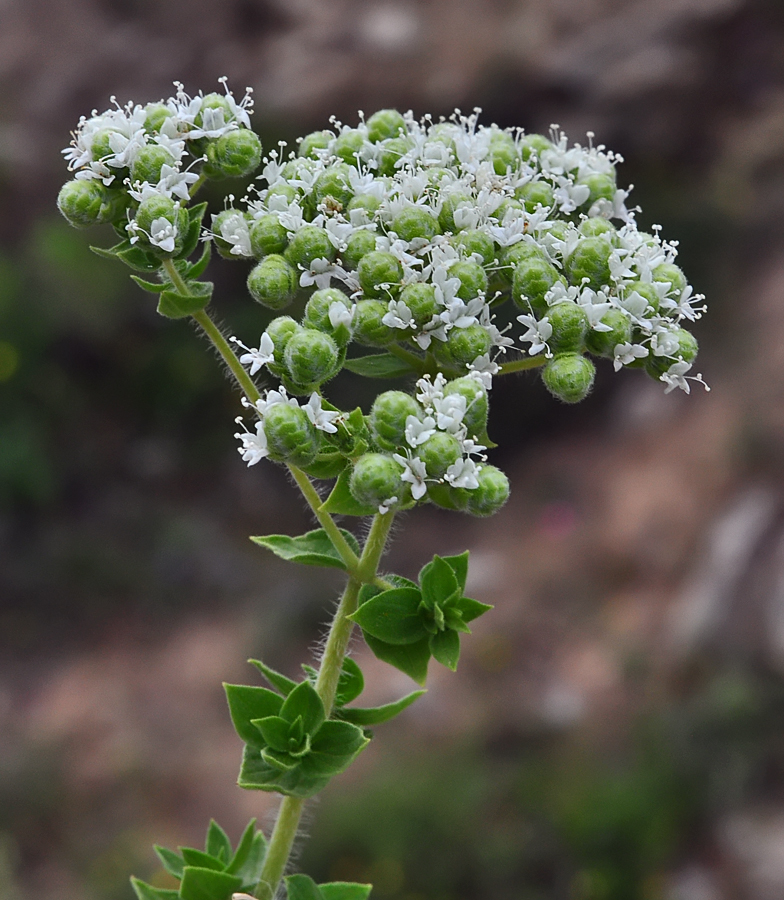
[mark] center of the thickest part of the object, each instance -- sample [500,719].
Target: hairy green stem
[279,847]
[520,365]
[229,356]
[416,362]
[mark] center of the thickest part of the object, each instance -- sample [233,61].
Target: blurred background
[615,729]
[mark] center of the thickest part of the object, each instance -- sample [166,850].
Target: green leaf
[148,892]
[459,565]
[471,609]
[305,702]
[191,240]
[250,870]
[345,890]
[201,859]
[379,365]
[341,503]
[311,549]
[333,748]
[173,305]
[137,259]
[207,884]
[392,616]
[377,714]
[412,659]
[275,732]
[196,213]
[327,465]
[283,684]
[243,850]
[171,861]
[256,774]
[152,287]
[247,703]
[302,887]
[439,583]
[111,252]
[218,843]
[280,761]
[445,647]
[351,682]
[196,269]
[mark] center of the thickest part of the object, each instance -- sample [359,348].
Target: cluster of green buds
[408,250]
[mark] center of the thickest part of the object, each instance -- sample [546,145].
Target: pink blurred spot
[558,519]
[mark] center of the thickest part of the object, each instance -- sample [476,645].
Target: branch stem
[520,365]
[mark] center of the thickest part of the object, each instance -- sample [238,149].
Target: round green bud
[333,187]
[558,229]
[233,155]
[155,208]
[369,329]
[535,193]
[375,480]
[291,436]
[379,272]
[463,345]
[349,145]
[213,101]
[415,222]
[392,151]
[358,245]
[367,202]
[388,418]
[310,357]
[477,406]
[602,187]
[648,292]
[673,274]
[476,243]
[590,260]
[223,246]
[439,452]
[569,377]
[517,253]
[282,190]
[273,282]
[317,314]
[503,153]
[446,216]
[597,226]
[420,298]
[505,206]
[101,146]
[534,145]
[448,497]
[147,164]
[316,140]
[157,114]
[386,123]
[603,343]
[84,203]
[267,236]
[472,276]
[281,330]
[532,279]
[686,349]
[307,244]
[492,493]
[570,324]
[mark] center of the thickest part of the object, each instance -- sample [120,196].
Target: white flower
[272,398]
[675,377]
[430,391]
[626,353]
[449,412]
[417,432]
[463,474]
[483,369]
[254,446]
[538,334]
[163,234]
[398,316]
[175,183]
[414,473]
[234,230]
[384,507]
[321,418]
[340,314]
[320,273]
[257,357]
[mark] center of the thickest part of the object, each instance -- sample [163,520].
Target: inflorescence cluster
[406,237]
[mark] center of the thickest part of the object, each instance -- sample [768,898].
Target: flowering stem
[520,365]
[416,362]
[285,831]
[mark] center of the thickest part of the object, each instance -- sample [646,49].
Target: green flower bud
[598,226]
[84,203]
[446,217]
[291,436]
[379,273]
[281,330]
[569,377]
[223,246]
[420,298]
[391,153]
[317,314]
[686,349]
[367,202]
[590,260]
[375,480]
[492,493]
[358,245]
[439,452]
[535,193]
[333,187]
[100,146]
[415,222]
[316,140]
[267,236]
[388,418]
[213,100]
[307,244]
[369,329]
[534,144]
[157,114]
[570,324]
[505,206]
[310,357]
[520,252]
[233,155]
[648,292]
[503,153]
[282,190]
[152,210]
[532,279]
[476,243]
[602,187]
[348,144]
[673,274]
[386,123]
[603,343]
[273,282]
[473,279]
[463,345]
[477,406]
[148,161]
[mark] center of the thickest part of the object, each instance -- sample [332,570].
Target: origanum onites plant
[407,239]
